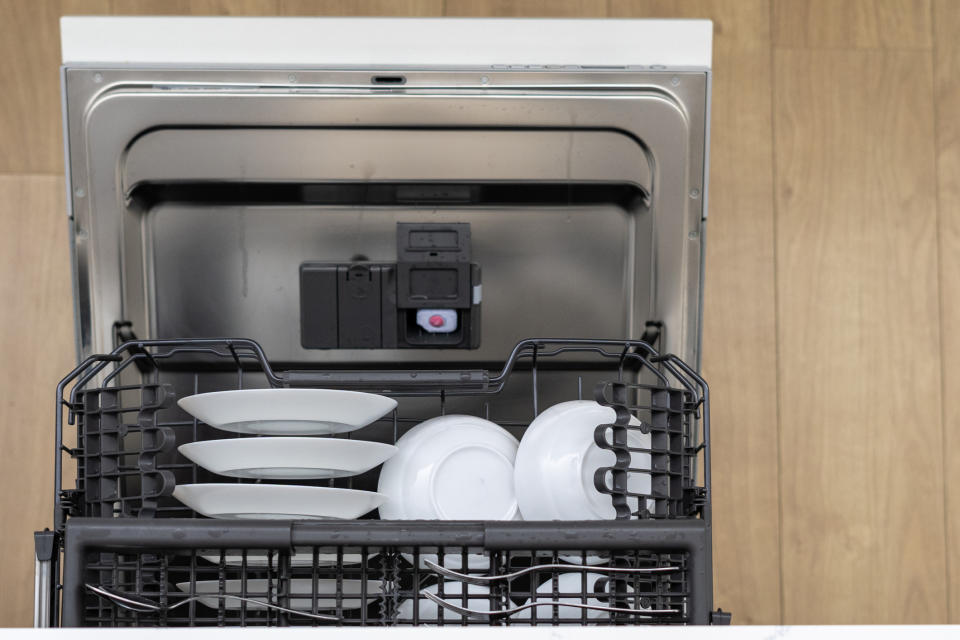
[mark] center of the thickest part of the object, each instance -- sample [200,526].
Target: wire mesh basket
[172,573]
[132,555]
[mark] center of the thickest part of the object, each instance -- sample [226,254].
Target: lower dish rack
[123,552]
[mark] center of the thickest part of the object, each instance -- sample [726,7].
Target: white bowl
[287,458]
[557,459]
[276,501]
[451,560]
[451,468]
[290,412]
[569,583]
[300,559]
[453,593]
[257,590]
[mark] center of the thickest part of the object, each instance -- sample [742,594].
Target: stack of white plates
[557,459]
[460,467]
[454,467]
[286,417]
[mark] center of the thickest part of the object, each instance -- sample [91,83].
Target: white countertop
[335,42]
[526,633]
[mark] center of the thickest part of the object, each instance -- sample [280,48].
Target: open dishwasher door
[470,218]
[200,191]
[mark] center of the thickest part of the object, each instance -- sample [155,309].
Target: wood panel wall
[833,286]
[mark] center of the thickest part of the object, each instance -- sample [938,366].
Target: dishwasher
[473,220]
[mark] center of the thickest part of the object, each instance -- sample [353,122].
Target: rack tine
[533,365]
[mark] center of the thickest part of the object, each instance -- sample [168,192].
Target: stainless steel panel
[293,155]
[546,271]
[108,110]
[42,575]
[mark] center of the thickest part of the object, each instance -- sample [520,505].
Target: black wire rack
[134,556]
[296,575]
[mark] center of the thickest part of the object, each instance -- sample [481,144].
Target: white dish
[569,583]
[288,412]
[557,459]
[453,593]
[302,559]
[576,557]
[287,458]
[276,501]
[451,468]
[451,560]
[257,590]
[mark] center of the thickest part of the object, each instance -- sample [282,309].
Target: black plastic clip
[695,499]
[720,617]
[44,542]
[123,332]
[651,332]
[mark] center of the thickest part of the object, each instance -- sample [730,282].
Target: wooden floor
[832,293]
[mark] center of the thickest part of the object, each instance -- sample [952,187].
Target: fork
[505,613]
[139,604]
[485,580]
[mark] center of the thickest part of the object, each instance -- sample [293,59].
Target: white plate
[452,560]
[257,590]
[451,468]
[569,583]
[303,559]
[276,501]
[288,458]
[575,557]
[557,459]
[453,593]
[288,412]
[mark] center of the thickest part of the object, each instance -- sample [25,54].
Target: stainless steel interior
[183,266]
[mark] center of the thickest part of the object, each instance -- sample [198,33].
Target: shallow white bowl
[301,559]
[451,560]
[557,459]
[257,590]
[569,583]
[451,468]
[453,593]
[276,501]
[287,458]
[290,412]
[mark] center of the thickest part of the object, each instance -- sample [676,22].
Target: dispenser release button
[437,320]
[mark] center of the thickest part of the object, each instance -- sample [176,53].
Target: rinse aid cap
[437,320]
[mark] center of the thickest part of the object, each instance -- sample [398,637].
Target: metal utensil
[505,613]
[139,604]
[485,580]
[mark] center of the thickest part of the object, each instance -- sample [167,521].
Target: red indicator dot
[436,320]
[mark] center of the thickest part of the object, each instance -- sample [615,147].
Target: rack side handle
[390,381]
[45,547]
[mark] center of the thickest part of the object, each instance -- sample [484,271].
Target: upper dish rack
[128,424]
[128,427]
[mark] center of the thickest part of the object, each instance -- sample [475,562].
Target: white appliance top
[385,42]
[542,632]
